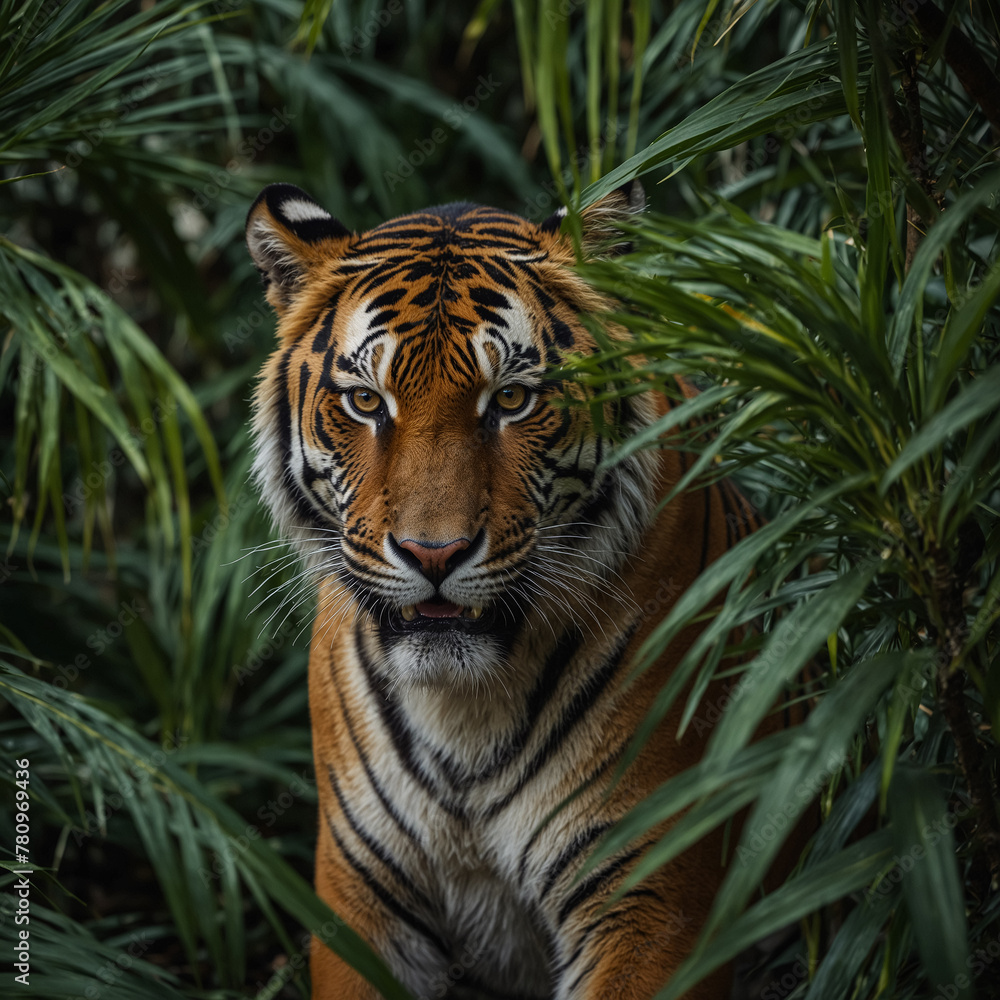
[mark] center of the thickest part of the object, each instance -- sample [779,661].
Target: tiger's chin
[440,645]
[454,660]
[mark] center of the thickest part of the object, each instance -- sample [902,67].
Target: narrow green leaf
[937,239]
[785,652]
[925,852]
[108,747]
[904,701]
[845,12]
[641,18]
[964,324]
[792,89]
[677,794]
[834,879]
[815,754]
[975,400]
[853,943]
[594,25]
[732,565]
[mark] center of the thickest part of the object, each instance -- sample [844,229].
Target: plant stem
[973,764]
[948,587]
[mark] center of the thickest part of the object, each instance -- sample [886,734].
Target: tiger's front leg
[629,949]
[346,894]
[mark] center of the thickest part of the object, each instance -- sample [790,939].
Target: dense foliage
[821,259]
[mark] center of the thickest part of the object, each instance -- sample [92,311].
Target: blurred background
[154,637]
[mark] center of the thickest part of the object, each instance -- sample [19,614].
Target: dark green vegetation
[823,259]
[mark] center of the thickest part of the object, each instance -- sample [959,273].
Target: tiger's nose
[436,559]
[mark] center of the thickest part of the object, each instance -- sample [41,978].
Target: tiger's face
[413,436]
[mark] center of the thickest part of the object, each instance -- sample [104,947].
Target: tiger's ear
[601,221]
[286,232]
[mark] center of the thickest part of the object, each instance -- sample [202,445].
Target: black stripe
[498,271]
[363,549]
[321,338]
[376,847]
[581,943]
[579,844]
[386,299]
[589,886]
[564,967]
[539,697]
[399,733]
[582,701]
[387,898]
[565,649]
[582,974]
[751,515]
[745,510]
[642,892]
[362,571]
[611,758]
[366,764]
[284,412]
[303,508]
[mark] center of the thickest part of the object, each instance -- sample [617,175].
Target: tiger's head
[412,433]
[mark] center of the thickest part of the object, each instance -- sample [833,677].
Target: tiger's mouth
[438,615]
[439,609]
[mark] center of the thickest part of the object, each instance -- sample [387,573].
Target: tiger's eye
[511,397]
[365,400]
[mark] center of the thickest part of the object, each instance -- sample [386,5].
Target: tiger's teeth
[409,612]
[472,612]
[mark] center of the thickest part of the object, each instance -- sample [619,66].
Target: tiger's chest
[453,799]
[496,942]
[459,860]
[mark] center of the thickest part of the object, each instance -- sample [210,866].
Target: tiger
[484,577]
